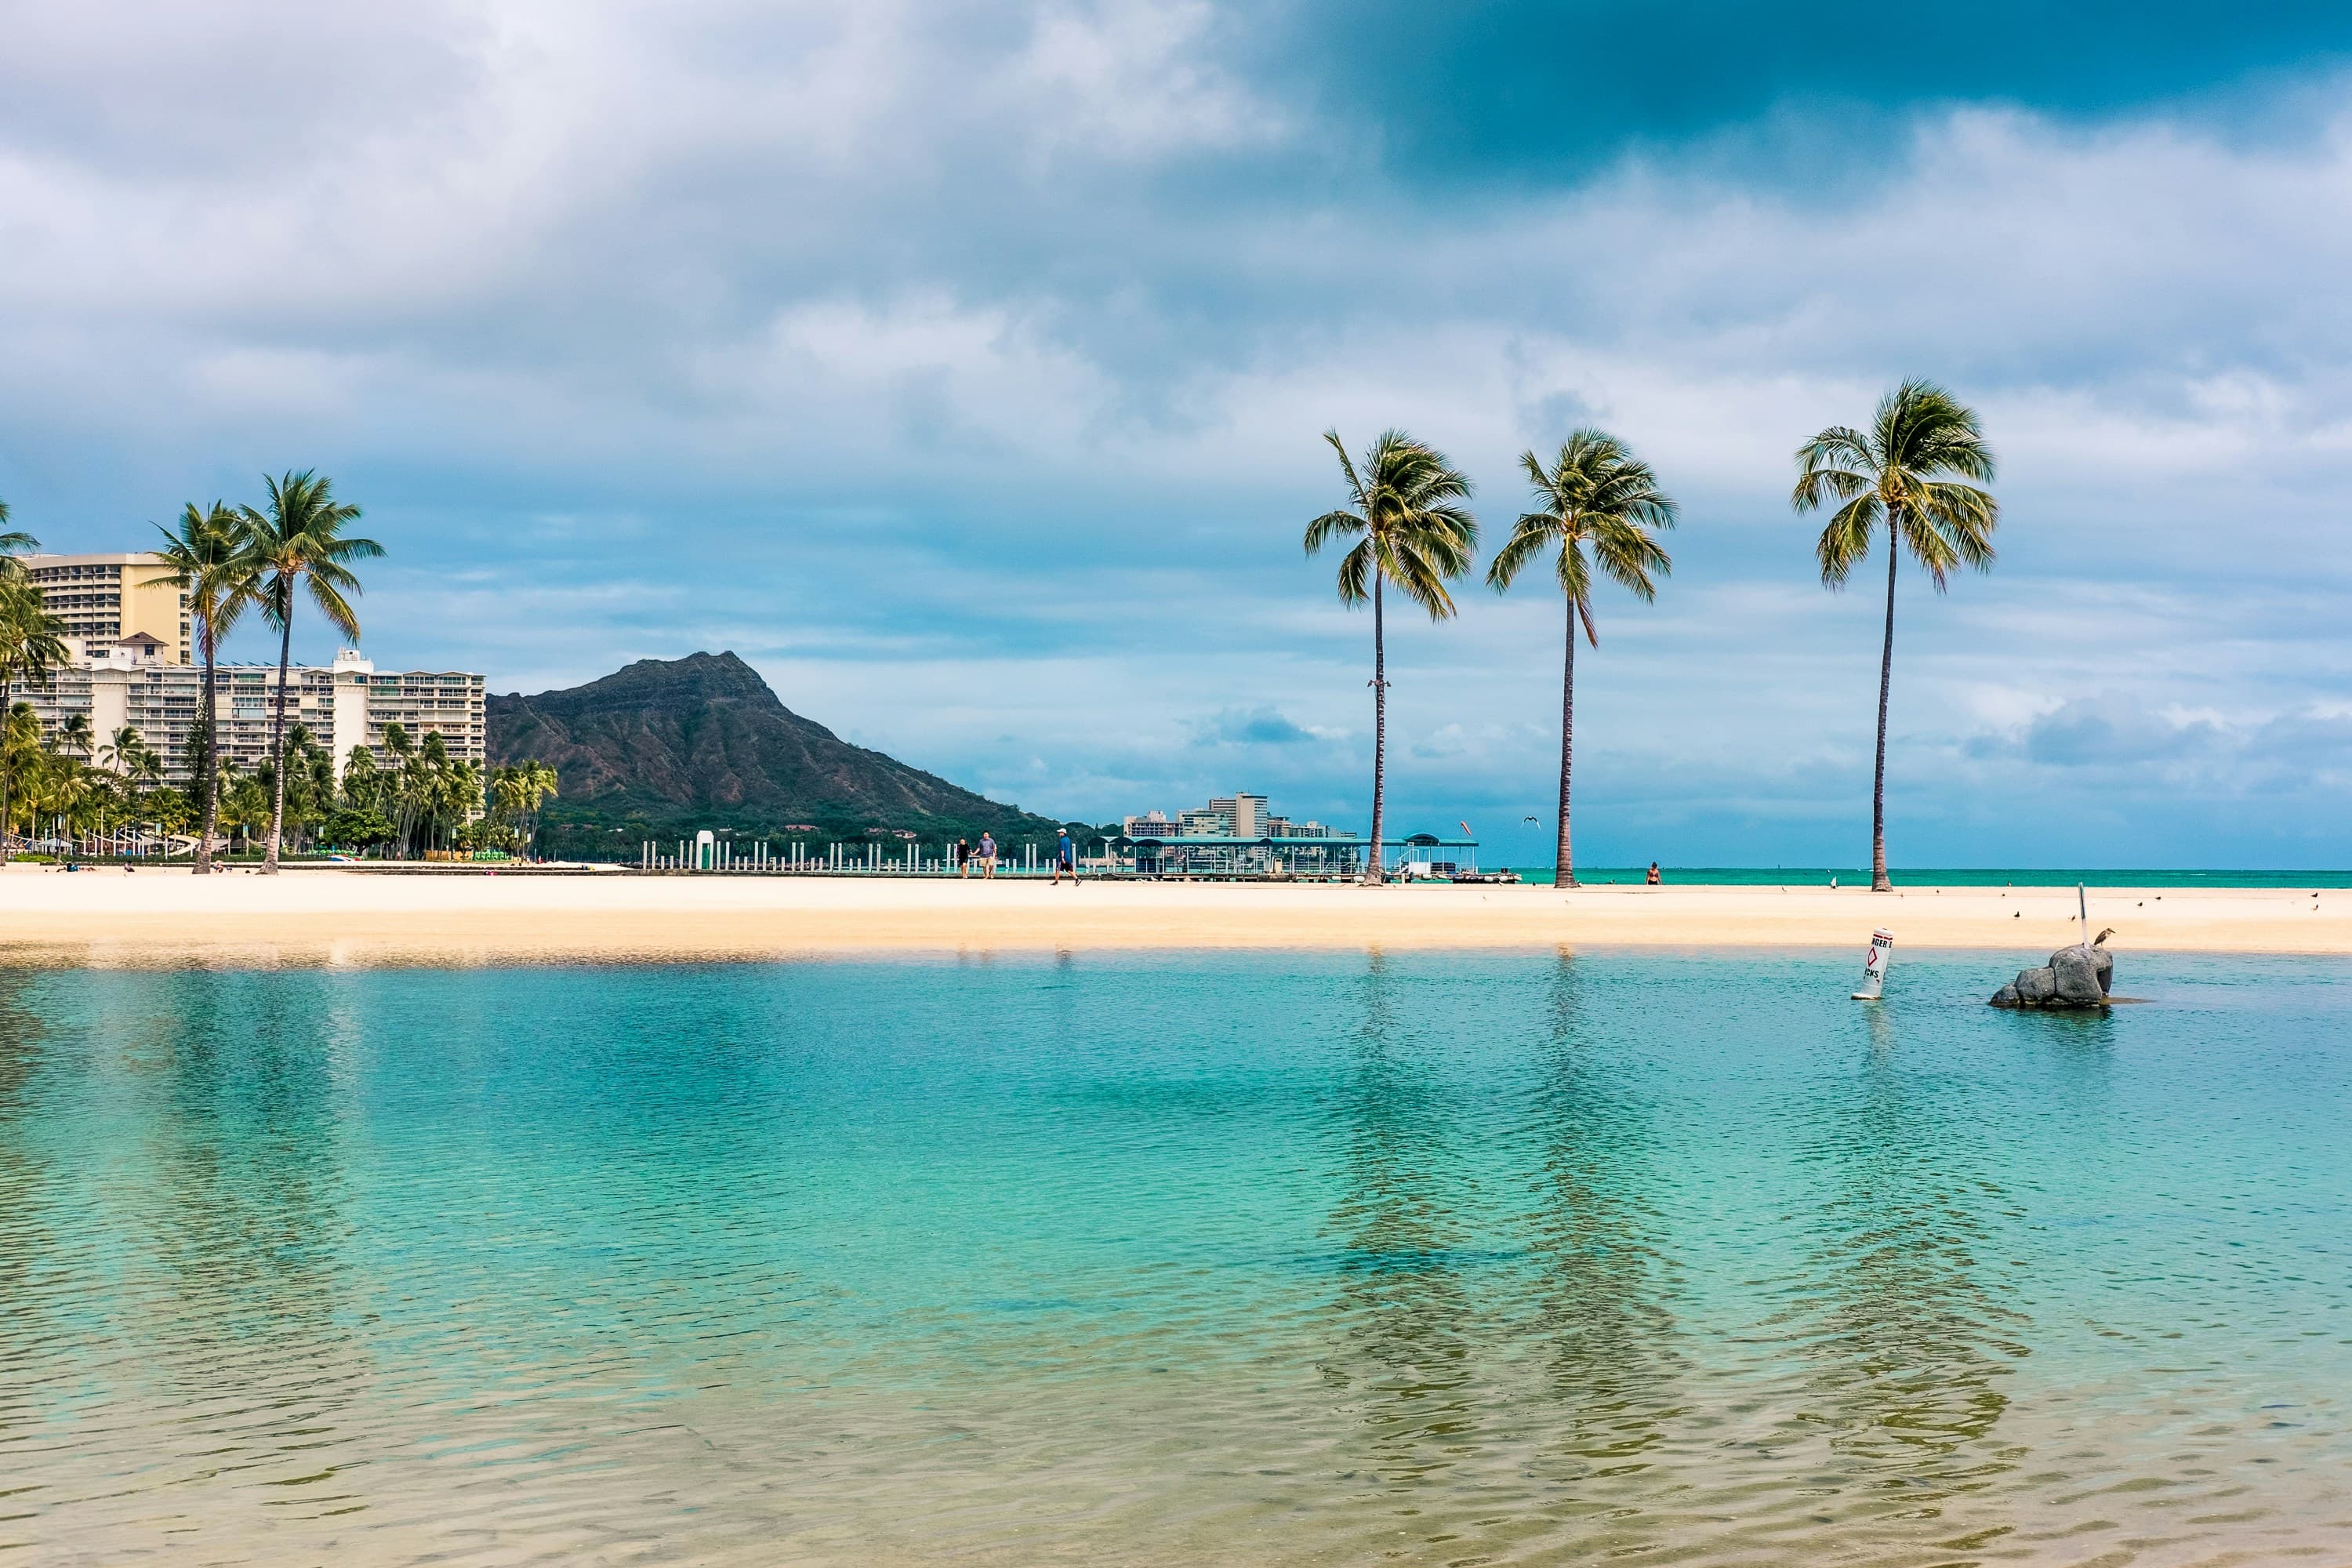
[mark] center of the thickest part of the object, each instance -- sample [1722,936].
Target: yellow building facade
[106,598]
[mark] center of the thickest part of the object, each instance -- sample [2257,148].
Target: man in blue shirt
[1065,858]
[988,857]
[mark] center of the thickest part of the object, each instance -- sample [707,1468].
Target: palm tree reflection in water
[248,1225]
[1614,1381]
[26,1236]
[1913,1344]
[1402,1363]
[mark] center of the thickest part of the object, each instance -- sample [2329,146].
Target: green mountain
[664,747]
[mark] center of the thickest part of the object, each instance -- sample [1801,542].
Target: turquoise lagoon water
[1283,1259]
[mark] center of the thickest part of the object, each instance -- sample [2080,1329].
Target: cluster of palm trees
[83,788]
[421,799]
[1915,475]
[229,560]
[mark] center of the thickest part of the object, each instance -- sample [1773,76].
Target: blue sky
[963,368]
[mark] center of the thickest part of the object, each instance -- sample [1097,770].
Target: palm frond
[1529,536]
[1846,542]
[1330,526]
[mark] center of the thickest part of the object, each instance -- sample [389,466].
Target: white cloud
[956,356]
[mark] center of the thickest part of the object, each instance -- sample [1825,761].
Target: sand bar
[313,916]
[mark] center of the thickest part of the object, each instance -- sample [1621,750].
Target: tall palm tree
[299,543]
[1411,530]
[1595,493]
[31,645]
[210,564]
[1908,473]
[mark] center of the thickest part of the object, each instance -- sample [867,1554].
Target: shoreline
[156,917]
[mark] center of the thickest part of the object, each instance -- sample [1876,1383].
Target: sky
[964,368]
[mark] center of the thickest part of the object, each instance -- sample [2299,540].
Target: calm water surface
[1288,1259]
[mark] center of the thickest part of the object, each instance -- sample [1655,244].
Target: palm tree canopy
[1413,530]
[32,640]
[211,563]
[1912,468]
[12,544]
[299,540]
[1596,494]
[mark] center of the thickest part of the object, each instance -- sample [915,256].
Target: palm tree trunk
[1878,882]
[277,740]
[8,695]
[1380,732]
[210,761]
[1565,876]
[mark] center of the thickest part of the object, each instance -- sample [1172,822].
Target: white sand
[341,916]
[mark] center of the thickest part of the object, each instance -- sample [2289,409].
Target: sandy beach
[315,916]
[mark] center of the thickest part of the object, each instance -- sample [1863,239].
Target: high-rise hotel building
[345,705]
[127,636]
[104,598]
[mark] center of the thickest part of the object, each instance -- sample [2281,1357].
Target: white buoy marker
[1873,966]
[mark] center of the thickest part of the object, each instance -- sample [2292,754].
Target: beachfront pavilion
[1326,854]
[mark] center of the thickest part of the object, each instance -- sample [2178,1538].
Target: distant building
[1235,834]
[346,705]
[104,598]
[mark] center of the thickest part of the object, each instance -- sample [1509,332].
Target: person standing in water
[987,856]
[1065,858]
[1654,878]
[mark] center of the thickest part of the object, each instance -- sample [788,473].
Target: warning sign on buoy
[1873,966]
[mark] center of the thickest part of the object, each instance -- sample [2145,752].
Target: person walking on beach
[963,856]
[1065,858]
[987,856]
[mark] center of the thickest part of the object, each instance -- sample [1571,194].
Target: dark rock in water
[2077,976]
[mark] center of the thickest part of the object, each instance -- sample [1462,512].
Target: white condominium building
[345,705]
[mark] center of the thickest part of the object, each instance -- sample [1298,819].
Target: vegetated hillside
[667,746]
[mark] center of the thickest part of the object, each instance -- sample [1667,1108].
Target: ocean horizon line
[1954,875]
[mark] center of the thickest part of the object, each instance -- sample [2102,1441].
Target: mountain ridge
[670,745]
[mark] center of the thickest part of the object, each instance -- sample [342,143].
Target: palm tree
[1415,534]
[209,564]
[12,544]
[120,755]
[1596,493]
[1905,473]
[537,784]
[299,542]
[22,761]
[31,645]
[74,737]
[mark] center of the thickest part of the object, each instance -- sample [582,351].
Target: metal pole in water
[1873,966]
[2083,909]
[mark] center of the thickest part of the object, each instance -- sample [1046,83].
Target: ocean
[1177,1258]
[1945,876]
